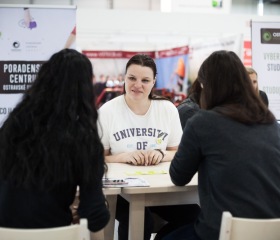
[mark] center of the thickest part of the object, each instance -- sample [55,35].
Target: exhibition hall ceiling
[249,6]
[124,28]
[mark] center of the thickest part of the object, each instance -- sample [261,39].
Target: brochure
[125,182]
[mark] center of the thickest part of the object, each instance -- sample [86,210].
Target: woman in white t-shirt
[139,128]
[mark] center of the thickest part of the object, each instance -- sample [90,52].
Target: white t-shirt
[123,131]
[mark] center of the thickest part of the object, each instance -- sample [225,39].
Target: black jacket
[238,169]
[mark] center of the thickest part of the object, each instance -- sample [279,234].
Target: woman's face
[254,80]
[139,82]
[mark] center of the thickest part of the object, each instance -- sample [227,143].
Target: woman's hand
[154,157]
[137,157]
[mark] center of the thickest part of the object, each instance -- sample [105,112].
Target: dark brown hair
[227,89]
[145,61]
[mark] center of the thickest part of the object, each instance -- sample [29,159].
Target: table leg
[136,217]
[109,229]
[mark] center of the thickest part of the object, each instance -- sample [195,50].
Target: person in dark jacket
[233,143]
[190,105]
[254,78]
[49,146]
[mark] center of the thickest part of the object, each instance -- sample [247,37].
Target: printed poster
[29,35]
[172,66]
[266,61]
[201,49]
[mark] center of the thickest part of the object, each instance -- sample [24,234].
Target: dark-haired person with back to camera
[233,143]
[49,146]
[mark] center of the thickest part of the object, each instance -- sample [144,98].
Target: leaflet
[124,182]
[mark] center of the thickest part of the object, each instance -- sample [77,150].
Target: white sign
[266,61]
[199,51]
[29,35]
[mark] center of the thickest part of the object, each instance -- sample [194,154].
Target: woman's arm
[187,158]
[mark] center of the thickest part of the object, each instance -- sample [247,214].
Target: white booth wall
[103,29]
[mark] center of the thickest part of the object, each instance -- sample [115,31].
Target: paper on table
[149,172]
[124,182]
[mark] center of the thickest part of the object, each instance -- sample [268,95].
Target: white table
[160,192]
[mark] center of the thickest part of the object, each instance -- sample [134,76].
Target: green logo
[217,3]
[270,35]
[267,36]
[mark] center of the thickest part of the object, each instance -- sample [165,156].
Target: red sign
[247,54]
[173,52]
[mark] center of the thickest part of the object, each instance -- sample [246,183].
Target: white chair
[234,228]
[72,232]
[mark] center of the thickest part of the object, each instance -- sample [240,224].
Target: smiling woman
[139,109]
[139,83]
[139,128]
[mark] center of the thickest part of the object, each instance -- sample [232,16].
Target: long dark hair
[145,61]
[227,89]
[51,139]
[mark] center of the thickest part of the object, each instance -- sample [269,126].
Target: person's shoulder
[205,116]
[187,104]
[164,103]
[201,114]
[166,107]
[112,105]
[262,93]
[263,96]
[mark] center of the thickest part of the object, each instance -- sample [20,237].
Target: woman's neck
[139,107]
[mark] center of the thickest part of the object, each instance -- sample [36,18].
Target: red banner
[114,54]
[173,52]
